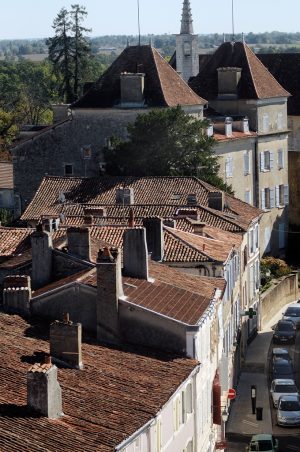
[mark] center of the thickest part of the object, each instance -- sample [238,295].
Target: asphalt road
[289,438]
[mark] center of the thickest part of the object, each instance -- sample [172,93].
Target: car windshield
[292,312]
[287,389]
[262,445]
[285,327]
[289,405]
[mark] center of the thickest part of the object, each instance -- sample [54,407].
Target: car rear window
[287,389]
[262,445]
[293,312]
[285,327]
[289,405]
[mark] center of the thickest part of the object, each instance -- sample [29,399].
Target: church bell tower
[187,55]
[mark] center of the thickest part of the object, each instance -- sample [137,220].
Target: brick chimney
[110,289]
[65,342]
[216,200]
[41,248]
[79,242]
[155,237]
[43,390]
[17,294]
[135,253]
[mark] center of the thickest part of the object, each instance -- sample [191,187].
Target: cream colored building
[238,86]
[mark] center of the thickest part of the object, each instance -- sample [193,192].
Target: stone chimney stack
[17,294]
[135,253]
[65,342]
[41,248]
[228,81]
[110,289]
[79,242]
[132,89]
[43,390]
[216,200]
[155,237]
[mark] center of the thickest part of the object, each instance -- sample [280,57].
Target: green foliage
[276,267]
[8,129]
[6,217]
[165,142]
[69,51]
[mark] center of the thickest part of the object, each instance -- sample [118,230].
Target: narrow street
[289,438]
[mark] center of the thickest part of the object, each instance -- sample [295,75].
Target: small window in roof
[69,169]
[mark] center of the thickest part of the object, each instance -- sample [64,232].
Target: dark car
[284,332]
[281,353]
[282,368]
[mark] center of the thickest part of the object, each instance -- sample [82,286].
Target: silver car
[293,313]
[288,413]
[282,387]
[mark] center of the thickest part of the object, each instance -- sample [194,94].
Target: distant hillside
[112,45]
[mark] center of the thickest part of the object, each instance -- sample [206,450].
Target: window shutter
[263,199]
[158,435]
[271,160]
[262,161]
[183,406]
[286,195]
[246,163]
[280,159]
[227,166]
[175,424]
[272,198]
[230,166]
[277,196]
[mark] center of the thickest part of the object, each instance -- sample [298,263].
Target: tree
[60,53]
[81,46]
[69,51]
[165,142]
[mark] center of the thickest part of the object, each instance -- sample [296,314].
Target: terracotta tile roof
[163,86]
[152,196]
[117,393]
[216,250]
[236,135]
[6,175]
[256,81]
[285,67]
[14,241]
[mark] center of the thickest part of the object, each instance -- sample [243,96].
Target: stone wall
[284,290]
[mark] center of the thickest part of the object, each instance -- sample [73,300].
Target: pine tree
[81,46]
[61,53]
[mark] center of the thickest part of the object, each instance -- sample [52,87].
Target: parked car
[284,332]
[282,368]
[288,412]
[281,387]
[263,442]
[281,353]
[293,313]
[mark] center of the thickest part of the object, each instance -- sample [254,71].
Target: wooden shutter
[263,199]
[262,161]
[272,198]
[271,160]
[286,195]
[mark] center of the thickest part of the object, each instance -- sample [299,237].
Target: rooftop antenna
[139,22]
[232,17]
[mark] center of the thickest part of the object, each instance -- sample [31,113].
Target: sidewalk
[255,372]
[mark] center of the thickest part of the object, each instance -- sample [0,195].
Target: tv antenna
[139,22]
[232,18]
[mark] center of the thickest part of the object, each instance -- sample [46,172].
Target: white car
[288,412]
[293,313]
[282,387]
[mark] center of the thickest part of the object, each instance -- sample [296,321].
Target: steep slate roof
[148,192]
[285,67]
[117,393]
[163,86]
[256,81]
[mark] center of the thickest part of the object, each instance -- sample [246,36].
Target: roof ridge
[190,246]
[250,68]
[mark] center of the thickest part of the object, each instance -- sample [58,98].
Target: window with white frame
[266,161]
[267,239]
[268,198]
[280,121]
[247,168]
[229,167]
[281,195]
[248,196]
[265,122]
[158,435]
[280,159]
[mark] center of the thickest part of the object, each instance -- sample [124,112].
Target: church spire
[187,19]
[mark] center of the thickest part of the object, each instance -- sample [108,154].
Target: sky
[33,18]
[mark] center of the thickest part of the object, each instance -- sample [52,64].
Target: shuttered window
[280,159]
[246,163]
[229,167]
